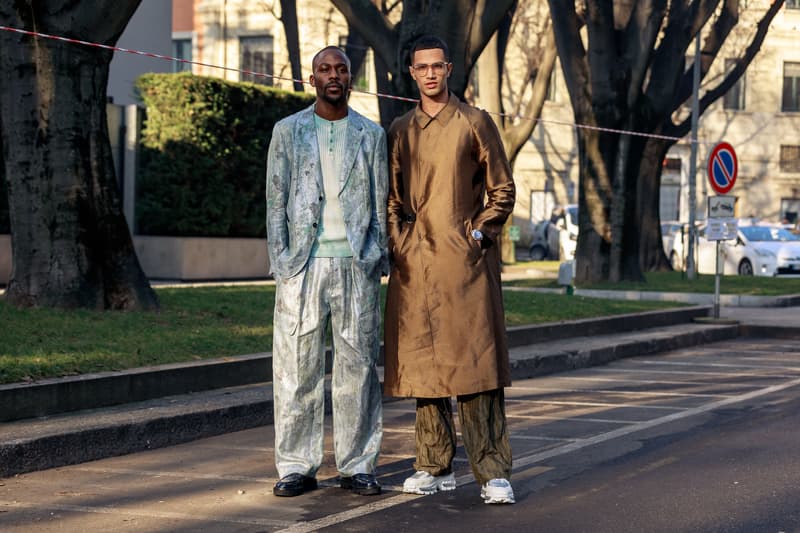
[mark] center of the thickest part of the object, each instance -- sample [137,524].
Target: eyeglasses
[422,68]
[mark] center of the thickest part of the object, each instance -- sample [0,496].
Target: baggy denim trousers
[331,290]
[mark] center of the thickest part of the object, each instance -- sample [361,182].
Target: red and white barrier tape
[264,75]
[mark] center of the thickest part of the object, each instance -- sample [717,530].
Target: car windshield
[766,233]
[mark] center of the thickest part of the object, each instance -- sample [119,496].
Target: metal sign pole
[716,285]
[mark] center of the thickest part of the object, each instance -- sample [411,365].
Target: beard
[334,99]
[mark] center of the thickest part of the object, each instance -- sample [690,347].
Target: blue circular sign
[722,168]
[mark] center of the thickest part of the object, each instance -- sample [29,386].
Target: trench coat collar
[443,116]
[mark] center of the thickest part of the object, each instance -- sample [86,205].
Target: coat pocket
[289,302]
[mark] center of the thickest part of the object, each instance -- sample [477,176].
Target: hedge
[203,153]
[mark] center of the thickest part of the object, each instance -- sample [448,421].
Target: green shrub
[203,154]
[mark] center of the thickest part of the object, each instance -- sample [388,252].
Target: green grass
[536,308]
[677,282]
[199,323]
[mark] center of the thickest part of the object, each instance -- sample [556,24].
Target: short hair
[331,47]
[429,42]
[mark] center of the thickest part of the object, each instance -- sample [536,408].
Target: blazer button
[314,225]
[321,198]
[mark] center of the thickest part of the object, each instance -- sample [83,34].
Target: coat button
[314,225]
[321,198]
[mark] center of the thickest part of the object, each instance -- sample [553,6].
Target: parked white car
[555,238]
[668,231]
[568,236]
[759,250]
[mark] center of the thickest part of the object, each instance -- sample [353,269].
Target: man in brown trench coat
[450,191]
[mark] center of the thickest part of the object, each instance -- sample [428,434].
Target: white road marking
[653,381]
[714,365]
[629,392]
[639,426]
[356,512]
[526,461]
[697,373]
[513,436]
[596,404]
[145,513]
[164,473]
[570,418]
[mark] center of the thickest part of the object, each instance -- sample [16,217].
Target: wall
[149,30]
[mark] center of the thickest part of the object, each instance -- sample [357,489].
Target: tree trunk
[465,25]
[652,257]
[70,241]
[356,50]
[594,199]
[289,20]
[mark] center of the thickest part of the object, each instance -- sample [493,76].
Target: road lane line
[656,382]
[696,373]
[163,473]
[513,436]
[526,461]
[570,418]
[715,365]
[639,426]
[597,404]
[612,391]
[144,513]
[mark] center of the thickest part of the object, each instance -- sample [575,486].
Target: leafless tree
[466,26]
[516,95]
[70,241]
[628,72]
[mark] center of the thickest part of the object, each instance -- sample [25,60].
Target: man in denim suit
[326,230]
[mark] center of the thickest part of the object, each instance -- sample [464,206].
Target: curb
[91,391]
[38,444]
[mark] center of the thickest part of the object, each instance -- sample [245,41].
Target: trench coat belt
[409,217]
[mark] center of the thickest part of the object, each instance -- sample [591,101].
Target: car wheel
[675,261]
[745,268]
[537,252]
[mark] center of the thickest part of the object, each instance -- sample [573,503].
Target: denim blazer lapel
[355,132]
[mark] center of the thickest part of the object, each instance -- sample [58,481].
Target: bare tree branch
[373,26]
[735,74]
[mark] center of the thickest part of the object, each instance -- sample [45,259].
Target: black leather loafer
[363,484]
[294,485]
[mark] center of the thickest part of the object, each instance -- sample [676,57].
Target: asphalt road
[701,439]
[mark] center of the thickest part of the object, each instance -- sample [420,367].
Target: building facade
[760,117]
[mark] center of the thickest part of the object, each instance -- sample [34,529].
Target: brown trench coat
[444,327]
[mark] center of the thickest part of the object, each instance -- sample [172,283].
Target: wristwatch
[477,234]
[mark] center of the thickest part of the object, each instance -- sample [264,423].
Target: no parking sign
[722,168]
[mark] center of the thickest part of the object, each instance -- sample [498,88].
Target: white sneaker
[497,491]
[424,483]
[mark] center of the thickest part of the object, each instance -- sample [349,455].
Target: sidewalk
[84,435]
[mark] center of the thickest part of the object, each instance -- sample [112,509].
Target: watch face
[477,235]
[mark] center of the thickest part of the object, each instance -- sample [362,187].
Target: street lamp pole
[691,270]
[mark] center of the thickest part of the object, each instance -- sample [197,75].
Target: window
[790,207]
[360,81]
[790,158]
[182,49]
[256,55]
[791,87]
[542,205]
[734,98]
[672,164]
[792,4]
